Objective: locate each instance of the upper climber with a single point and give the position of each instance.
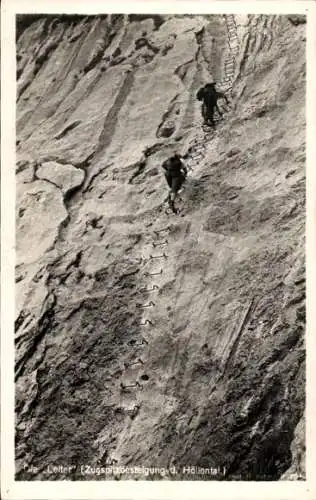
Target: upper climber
(175, 173)
(209, 95)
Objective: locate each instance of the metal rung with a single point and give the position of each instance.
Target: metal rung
(161, 230)
(140, 342)
(137, 384)
(160, 244)
(143, 341)
(153, 274)
(150, 304)
(148, 290)
(158, 256)
(146, 322)
(137, 362)
(133, 411)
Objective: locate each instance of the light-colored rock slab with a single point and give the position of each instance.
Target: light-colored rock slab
(66, 177)
(40, 212)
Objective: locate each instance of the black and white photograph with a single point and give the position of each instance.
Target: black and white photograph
(160, 246)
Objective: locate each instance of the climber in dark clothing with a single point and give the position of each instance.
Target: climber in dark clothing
(209, 95)
(175, 173)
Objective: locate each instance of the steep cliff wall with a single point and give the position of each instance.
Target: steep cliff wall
(142, 337)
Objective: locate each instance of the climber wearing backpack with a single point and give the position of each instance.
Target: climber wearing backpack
(175, 172)
(209, 95)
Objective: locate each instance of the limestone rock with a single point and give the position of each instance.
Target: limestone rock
(143, 337)
(66, 177)
(40, 214)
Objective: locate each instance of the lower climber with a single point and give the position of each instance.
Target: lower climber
(175, 173)
(209, 95)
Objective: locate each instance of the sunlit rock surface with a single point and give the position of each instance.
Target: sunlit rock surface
(142, 337)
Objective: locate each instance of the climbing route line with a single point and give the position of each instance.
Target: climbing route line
(133, 378)
(232, 52)
(197, 150)
(134, 384)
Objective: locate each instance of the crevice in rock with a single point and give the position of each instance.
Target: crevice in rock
(20, 319)
(68, 196)
(110, 122)
(103, 44)
(143, 42)
(23, 21)
(40, 60)
(234, 347)
(22, 165)
(111, 118)
(60, 233)
(165, 118)
(19, 73)
(76, 261)
(297, 19)
(199, 36)
(282, 350)
(67, 129)
(94, 176)
(43, 326)
(95, 59)
(182, 70)
(167, 49)
(158, 19)
(141, 167)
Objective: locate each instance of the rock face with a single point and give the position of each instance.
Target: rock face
(65, 177)
(142, 337)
